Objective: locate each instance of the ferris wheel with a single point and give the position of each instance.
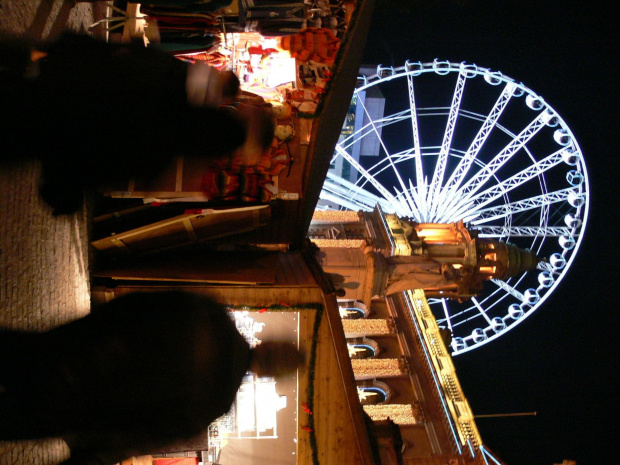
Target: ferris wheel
(456, 141)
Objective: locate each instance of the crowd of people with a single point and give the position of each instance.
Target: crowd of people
(93, 112)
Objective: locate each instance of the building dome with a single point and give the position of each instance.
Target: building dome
(519, 261)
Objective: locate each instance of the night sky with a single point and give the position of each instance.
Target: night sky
(559, 362)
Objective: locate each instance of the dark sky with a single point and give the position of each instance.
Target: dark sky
(559, 362)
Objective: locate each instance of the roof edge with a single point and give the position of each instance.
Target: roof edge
(332, 113)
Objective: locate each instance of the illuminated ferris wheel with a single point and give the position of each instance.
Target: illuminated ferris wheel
(459, 142)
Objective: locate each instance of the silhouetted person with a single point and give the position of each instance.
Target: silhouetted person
(96, 113)
(145, 371)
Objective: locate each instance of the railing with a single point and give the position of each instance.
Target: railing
(441, 370)
(429, 371)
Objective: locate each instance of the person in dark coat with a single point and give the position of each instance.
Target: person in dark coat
(96, 113)
(145, 371)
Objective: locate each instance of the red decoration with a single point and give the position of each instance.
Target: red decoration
(306, 408)
(259, 50)
(316, 44)
(307, 428)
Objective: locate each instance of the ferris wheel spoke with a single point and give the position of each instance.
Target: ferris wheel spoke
(447, 313)
(371, 128)
(492, 213)
(417, 152)
(340, 200)
(514, 181)
(388, 120)
(442, 159)
(502, 157)
(458, 175)
(343, 201)
(523, 231)
(544, 214)
(481, 310)
(419, 200)
(339, 188)
(546, 266)
(386, 194)
(509, 289)
(404, 154)
(452, 319)
(409, 204)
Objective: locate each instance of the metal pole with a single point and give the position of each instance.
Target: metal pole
(518, 414)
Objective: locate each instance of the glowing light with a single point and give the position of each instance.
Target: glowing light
(531, 296)
(346, 243)
(353, 350)
(333, 216)
(498, 324)
(365, 327)
(376, 368)
(401, 414)
(557, 261)
(364, 394)
(534, 102)
(545, 279)
(515, 311)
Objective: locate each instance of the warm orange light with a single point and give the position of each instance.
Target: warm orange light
(401, 414)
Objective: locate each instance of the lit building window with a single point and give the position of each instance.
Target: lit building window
(343, 243)
(331, 216)
(401, 414)
(376, 368)
(365, 327)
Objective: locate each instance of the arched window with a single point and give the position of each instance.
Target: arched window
(353, 310)
(373, 392)
(362, 348)
(352, 313)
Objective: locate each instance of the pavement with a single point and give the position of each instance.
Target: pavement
(44, 260)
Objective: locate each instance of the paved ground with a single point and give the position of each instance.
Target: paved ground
(44, 279)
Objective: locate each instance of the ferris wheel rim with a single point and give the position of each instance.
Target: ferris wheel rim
(545, 113)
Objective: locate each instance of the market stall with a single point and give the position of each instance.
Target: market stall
(284, 71)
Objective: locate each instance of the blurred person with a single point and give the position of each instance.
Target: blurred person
(145, 371)
(96, 113)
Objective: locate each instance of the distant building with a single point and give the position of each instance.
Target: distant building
(385, 267)
(366, 105)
